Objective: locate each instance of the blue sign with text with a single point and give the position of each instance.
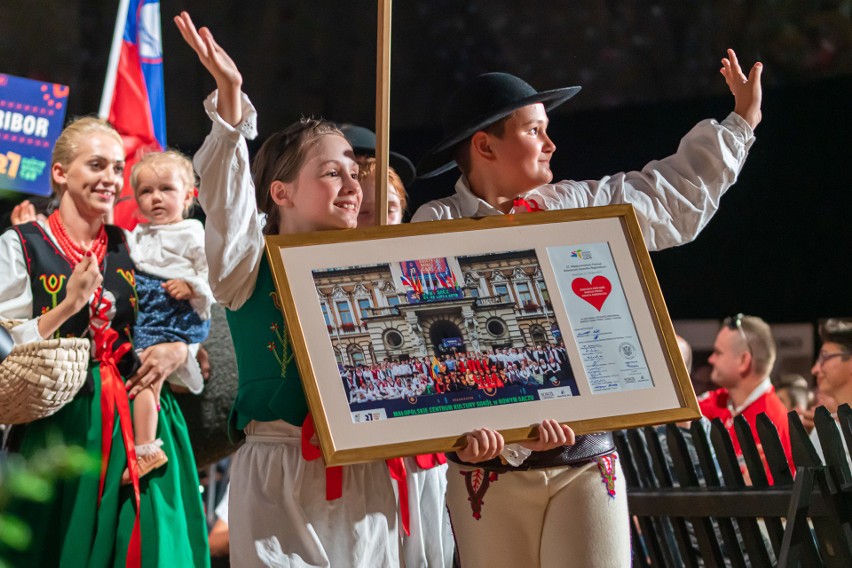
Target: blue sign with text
(31, 117)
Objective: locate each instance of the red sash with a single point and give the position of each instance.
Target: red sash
(396, 467)
(310, 452)
(114, 398)
(334, 474)
(428, 461)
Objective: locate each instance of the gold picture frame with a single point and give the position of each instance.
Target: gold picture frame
(379, 318)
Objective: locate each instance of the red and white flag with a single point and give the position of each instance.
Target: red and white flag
(133, 99)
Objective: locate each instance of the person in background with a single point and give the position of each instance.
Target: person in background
(794, 392)
(219, 534)
(32, 209)
(833, 368)
(742, 359)
(430, 539)
(363, 142)
(397, 197)
(819, 398)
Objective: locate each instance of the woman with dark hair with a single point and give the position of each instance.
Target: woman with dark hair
(833, 368)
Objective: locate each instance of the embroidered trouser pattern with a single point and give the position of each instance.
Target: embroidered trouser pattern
(566, 516)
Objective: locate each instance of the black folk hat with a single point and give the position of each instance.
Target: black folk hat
(363, 141)
(478, 104)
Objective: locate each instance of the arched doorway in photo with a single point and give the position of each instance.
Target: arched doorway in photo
(446, 337)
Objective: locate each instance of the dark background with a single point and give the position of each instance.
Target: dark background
(780, 245)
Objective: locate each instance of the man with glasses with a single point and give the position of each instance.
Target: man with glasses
(743, 356)
(833, 367)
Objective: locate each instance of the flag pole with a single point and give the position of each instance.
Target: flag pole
(383, 56)
(114, 54)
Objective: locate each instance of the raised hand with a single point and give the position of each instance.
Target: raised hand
(24, 212)
(218, 63)
(551, 434)
(747, 91)
(84, 281)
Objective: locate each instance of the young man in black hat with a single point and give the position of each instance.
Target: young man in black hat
(564, 506)
(496, 133)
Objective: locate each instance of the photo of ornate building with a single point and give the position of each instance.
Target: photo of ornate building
(470, 303)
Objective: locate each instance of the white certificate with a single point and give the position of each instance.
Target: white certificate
(600, 318)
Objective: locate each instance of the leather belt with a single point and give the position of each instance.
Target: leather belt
(585, 449)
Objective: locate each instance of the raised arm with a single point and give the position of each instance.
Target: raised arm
(233, 231)
(676, 197)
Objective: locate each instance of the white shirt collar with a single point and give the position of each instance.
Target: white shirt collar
(761, 389)
(469, 203)
(473, 206)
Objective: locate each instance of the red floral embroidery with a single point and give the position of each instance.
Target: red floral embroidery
(477, 483)
(286, 354)
(606, 465)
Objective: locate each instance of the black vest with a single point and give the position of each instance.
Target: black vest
(49, 270)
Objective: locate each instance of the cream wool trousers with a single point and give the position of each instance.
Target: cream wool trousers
(558, 517)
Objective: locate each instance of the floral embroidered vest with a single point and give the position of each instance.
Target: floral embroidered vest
(49, 271)
(269, 384)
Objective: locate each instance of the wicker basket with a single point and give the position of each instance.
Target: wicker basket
(38, 378)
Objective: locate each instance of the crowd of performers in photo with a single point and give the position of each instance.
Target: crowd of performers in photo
(545, 365)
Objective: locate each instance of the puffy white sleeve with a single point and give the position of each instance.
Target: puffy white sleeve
(203, 299)
(233, 231)
(16, 297)
(677, 196)
(435, 210)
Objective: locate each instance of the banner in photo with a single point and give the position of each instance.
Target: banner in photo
(429, 280)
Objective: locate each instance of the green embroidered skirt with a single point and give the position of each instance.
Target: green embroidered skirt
(71, 530)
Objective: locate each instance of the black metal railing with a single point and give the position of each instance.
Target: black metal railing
(692, 504)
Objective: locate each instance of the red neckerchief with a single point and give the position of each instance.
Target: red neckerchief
(531, 206)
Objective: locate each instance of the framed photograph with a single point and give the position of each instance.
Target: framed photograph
(408, 336)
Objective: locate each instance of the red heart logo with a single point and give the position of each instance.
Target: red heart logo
(595, 292)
